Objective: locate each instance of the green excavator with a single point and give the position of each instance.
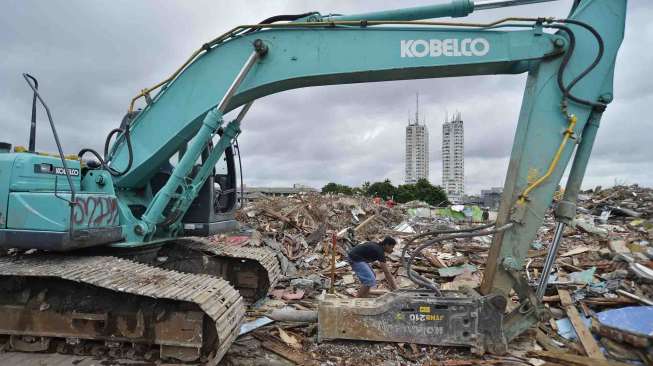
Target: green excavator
(120, 266)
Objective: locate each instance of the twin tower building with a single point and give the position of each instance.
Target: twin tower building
(453, 154)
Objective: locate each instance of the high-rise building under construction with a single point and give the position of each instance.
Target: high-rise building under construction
(417, 149)
(453, 158)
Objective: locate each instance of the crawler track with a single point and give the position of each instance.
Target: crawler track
(253, 271)
(101, 304)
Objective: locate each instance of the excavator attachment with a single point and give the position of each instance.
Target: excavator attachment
(416, 316)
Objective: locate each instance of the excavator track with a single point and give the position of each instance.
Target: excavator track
(106, 305)
(253, 271)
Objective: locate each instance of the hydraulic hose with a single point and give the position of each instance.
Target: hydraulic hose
(439, 232)
(566, 91)
(419, 279)
(125, 133)
(280, 18)
(596, 61)
(456, 233)
(103, 161)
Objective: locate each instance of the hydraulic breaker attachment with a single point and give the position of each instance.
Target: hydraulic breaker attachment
(415, 316)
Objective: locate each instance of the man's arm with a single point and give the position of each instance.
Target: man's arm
(388, 275)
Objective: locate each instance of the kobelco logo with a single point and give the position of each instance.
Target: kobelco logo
(444, 47)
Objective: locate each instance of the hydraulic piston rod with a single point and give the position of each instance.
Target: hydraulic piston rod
(212, 121)
(454, 9)
(550, 260)
(493, 4)
(566, 210)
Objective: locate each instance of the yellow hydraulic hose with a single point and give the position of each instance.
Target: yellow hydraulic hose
(556, 158)
(147, 91)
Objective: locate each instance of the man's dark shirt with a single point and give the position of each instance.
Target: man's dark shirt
(368, 252)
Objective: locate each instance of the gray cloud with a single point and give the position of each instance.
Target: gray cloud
(92, 57)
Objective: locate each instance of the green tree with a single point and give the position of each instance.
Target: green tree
(422, 191)
(362, 190)
(383, 189)
(406, 193)
(365, 186)
(337, 188)
(433, 195)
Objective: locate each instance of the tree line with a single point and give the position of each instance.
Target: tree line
(423, 190)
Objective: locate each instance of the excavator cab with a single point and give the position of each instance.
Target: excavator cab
(213, 210)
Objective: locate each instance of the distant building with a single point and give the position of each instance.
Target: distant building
(472, 200)
(417, 149)
(257, 193)
(453, 158)
(491, 197)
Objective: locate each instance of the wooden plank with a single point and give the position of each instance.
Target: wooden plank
(545, 341)
(433, 259)
(283, 351)
(275, 345)
(366, 222)
(584, 335)
(575, 251)
(279, 216)
(573, 360)
(554, 298)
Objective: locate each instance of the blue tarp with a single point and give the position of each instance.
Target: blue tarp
(634, 319)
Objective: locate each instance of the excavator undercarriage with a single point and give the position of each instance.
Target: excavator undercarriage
(186, 305)
(101, 305)
(180, 300)
(253, 271)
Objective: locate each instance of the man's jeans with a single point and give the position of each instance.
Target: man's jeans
(364, 272)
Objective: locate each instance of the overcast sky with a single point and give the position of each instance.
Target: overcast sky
(91, 57)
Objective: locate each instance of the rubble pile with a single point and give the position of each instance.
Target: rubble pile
(602, 280)
(307, 214)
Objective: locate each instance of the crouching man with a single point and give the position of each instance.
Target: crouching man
(360, 258)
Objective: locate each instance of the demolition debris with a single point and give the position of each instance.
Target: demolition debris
(600, 294)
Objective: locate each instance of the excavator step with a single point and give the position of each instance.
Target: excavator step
(101, 302)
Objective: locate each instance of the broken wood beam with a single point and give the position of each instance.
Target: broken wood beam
(365, 222)
(272, 344)
(424, 269)
(586, 338)
(279, 216)
(553, 298)
(433, 259)
(546, 342)
(643, 300)
(573, 360)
